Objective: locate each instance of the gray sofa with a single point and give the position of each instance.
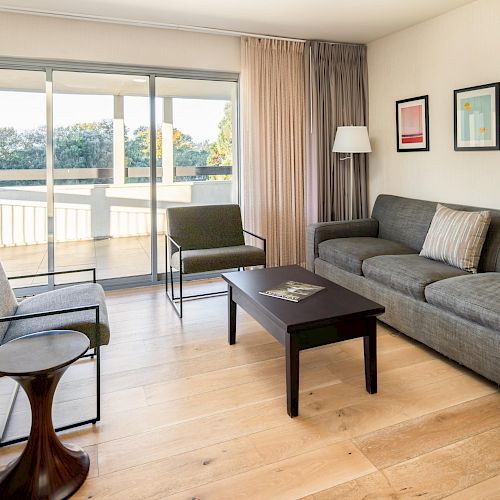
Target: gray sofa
(452, 311)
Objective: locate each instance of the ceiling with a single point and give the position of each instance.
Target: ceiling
(358, 21)
(67, 82)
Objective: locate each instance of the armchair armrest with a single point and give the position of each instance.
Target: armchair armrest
(68, 310)
(316, 233)
(54, 273)
(261, 238)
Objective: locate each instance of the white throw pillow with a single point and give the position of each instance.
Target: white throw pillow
(456, 237)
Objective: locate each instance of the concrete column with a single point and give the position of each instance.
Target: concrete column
(118, 141)
(167, 142)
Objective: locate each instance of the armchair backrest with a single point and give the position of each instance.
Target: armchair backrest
(206, 226)
(8, 302)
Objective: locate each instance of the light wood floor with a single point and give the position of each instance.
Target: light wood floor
(186, 416)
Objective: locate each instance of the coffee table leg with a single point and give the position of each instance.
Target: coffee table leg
(231, 316)
(370, 347)
(292, 375)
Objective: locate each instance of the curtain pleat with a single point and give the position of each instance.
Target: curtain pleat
(337, 95)
(273, 107)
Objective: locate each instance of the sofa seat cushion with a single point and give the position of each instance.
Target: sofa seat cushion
(408, 274)
(349, 253)
(86, 294)
(473, 297)
(214, 259)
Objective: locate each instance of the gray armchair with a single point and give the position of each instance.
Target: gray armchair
(78, 307)
(207, 238)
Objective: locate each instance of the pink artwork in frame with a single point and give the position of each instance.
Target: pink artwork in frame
(412, 119)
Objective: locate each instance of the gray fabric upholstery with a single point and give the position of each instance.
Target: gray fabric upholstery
(73, 296)
(8, 301)
(205, 226)
(407, 221)
(214, 259)
(464, 341)
(403, 219)
(464, 332)
(317, 233)
(408, 274)
(349, 253)
(474, 297)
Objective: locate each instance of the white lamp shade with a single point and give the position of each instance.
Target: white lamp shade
(352, 140)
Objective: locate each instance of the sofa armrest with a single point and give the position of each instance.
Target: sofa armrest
(316, 233)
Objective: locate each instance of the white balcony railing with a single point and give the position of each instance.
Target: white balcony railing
(99, 211)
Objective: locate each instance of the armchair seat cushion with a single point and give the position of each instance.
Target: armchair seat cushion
(349, 253)
(86, 294)
(215, 259)
(408, 274)
(475, 297)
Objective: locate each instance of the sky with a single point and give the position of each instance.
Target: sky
(26, 110)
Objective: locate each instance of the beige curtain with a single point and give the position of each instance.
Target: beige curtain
(273, 107)
(337, 94)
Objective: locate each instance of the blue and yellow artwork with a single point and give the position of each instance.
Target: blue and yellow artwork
(476, 118)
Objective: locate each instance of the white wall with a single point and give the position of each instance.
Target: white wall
(456, 50)
(54, 38)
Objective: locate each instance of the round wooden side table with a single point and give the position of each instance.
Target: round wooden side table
(46, 468)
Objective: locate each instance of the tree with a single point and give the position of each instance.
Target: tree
(84, 145)
(90, 145)
(221, 151)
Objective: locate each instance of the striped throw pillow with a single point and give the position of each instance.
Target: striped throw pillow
(456, 237)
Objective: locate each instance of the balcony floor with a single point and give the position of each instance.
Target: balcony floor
(113, 258)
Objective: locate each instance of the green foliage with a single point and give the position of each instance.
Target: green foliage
(221, 151)
(84, 145)
(90, 145)
(22, 150)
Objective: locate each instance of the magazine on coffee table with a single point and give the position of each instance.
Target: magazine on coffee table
(294, 291)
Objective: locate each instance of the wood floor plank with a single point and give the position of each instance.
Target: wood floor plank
(292, 478)
(485, 490)
(415, 437)
(448, 470)
(370, 487)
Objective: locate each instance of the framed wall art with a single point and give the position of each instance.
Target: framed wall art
(412, 124)
(477, 118)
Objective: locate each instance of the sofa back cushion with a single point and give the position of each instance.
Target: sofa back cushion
(407, 221)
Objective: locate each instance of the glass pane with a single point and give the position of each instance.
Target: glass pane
(23, 190)
(196, 147)
(101, 155)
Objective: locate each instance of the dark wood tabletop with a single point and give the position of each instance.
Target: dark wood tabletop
(333, 304)
(42, 352)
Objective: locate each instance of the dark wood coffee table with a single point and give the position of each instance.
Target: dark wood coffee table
(331, 315)
(46, 468)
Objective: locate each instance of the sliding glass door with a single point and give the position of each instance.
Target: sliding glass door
(23, 186)
(101, 174)
(196, 146)
(91, 156)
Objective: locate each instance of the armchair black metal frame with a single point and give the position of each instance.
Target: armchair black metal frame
(96, 353)
(171, 297)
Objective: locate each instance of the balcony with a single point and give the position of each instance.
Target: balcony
(106, 226)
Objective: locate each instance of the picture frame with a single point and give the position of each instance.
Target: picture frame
(412, 124)
(477, 118)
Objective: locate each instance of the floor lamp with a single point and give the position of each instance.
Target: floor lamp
(351, 140)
